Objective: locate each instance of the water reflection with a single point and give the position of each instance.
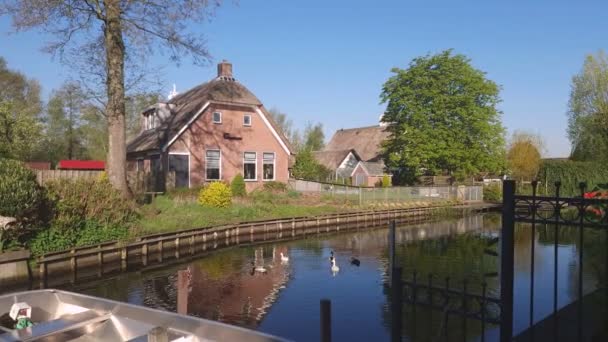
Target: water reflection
(257, 288)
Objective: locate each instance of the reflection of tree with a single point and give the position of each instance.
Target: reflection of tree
(458, 255)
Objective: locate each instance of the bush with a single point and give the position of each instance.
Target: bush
(77, 201)
(492, 192)
(86, 211)
(216, 195)
(275, 186)
(570, 174)
(21, 198)
(386, 181)
(20, 195)
(238, 186)
(91, 232)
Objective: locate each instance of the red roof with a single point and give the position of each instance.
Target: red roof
(82, 165)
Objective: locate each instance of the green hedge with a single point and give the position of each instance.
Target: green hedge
(570, 174)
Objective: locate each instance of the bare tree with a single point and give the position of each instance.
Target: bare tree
(92, 33)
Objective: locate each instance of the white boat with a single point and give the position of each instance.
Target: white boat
(65, 316)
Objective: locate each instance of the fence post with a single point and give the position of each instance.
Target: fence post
(325, 320)
(507, 260)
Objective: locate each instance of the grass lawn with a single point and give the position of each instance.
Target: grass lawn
(181, 211)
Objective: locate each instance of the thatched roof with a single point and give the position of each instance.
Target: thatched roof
(366, 141)
(333, 159)
(184, 106)
(374, 168)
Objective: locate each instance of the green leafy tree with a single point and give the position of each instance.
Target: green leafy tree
(100, 37)
(64, 113)
(524, 155)
(442, 116)
(588, 110)
(20, 109)
(307, 167)
(238, 186)
(314, 138)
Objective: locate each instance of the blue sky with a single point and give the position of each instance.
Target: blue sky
(326, 61)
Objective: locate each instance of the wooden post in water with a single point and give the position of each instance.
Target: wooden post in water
(99, 262)
(160, 251)
(74, 266)
(123, 259)
(396, 310)
(325, 320)
(144, 254)
(43, 274)
(391, 247)
(177, 247)
(182, 292)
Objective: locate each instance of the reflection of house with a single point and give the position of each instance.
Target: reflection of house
(211, 132)
(239, 297)
(355, 154)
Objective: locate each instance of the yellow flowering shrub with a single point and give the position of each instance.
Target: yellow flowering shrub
(216, 194)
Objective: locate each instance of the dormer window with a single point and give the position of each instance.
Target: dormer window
(247, 120)
(150, 121)
(217, 117)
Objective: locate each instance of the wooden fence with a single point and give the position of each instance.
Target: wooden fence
(155, 250)
(139, 182)
(44, 176)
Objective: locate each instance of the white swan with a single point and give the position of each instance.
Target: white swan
(260, 269)
(334, 268)
(284, 258)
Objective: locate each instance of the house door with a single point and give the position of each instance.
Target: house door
(180, 165)
(360, 179)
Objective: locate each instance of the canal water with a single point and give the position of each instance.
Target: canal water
(255, 287)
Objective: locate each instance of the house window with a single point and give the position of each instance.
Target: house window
(150, 121)
(249, 166)
(212, 164)
(247, 120)
(217, 117)
(140, 165)
(268, 165)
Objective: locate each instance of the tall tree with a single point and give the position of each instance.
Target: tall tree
(281, 119)
(588, 110)
(20, 109)
(314, 138)
(442, 116)
(107, 33)
(524, 155)
(64, 112)
(94, 130)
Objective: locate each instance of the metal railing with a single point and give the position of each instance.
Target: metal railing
(371, 195)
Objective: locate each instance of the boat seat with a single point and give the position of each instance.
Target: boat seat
(64, 326)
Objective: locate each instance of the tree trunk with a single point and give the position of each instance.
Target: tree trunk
(115, 108)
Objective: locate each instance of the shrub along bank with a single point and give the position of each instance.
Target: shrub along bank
(72, 213)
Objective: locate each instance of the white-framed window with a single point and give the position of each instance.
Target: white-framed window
(213, 165)
(268, 165)
(250, 166)
(217, 117)
(151, 121)
(247, 120)
(140, 165)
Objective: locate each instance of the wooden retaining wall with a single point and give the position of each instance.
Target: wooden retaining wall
(157, 249)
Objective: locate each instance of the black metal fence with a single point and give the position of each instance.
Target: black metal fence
(457, 304)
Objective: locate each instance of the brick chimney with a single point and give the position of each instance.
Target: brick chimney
(224, 69)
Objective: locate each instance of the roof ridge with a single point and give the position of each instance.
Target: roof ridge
(356, 128)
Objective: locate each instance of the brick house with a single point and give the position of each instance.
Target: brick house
(354, 154)
(211, 132)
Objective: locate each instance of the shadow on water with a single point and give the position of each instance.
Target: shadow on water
(254, 287)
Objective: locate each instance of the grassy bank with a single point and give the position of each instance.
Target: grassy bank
(178, 211)
(167, 213)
